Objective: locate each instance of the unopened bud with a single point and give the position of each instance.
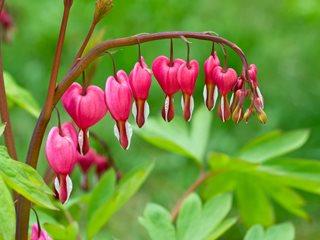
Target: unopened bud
(248, 114)
(262, 116)
(103, 7)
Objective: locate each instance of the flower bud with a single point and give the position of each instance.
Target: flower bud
(119, 98)
(253, 74)
(258, 104)
(237, 105)
(61, 155)
(187, 76)
(7, 25)
(102, 164)
(38, 234)
(165, 73)
(85, 162)
(210, 91)
(102, 9)
(140, 83)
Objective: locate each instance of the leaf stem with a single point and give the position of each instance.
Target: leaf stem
(85, 41)
(193, 187)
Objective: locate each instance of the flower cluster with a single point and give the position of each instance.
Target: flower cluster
(88, 104)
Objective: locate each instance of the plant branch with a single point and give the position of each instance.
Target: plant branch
(85, 41)
(175, 211)
(80, 65)
(100, 49)
(23, 205)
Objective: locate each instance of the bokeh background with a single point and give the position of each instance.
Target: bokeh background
(280, 36)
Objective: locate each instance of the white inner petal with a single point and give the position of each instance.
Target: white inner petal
(116, 132)
(146, 111)
(134, 110)
(231, 99)
(222, 109)
(69, 187)
(166, 108)
(80, 141)
(182, 103)
(260, 96)
(191, 107)
(129, 133)
(57, 185)
(215, 96)
(205, 95)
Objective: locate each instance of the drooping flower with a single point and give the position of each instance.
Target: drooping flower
(39, 234)
(140, 83)
(225, 80)
(210, 91)
(6, 23)
(119, 98)
(102, 164)
(165, 73)
(187, 76)
(86, 106)
(86, 162)
(61, 154)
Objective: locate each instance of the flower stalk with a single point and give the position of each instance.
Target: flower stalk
(55, 92)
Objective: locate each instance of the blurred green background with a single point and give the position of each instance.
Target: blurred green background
(280, 37)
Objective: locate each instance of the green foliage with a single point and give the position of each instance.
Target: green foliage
(273, 145)
(20, 96)
(7, 213)
(194, 221)
(25, 180)
(61, 232)
(256, 184)
(283, 231)
(176, 137)
(115, 198)
(157, 221)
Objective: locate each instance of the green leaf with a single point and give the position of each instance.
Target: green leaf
(172, 137)
(60, 232)
(298, 173)
(222, 228)
(221, 162)
(271, 147)
(102, 192)
(284, 231)
(176, 137)
(200, 131)
(20, 96)
(191, 209)
(212, 214)
(7, 213)
(24, 180)
(254, 205)
(157, 221)
(287, 198)
(256, 232)
(2, 127)
(128, 186)
(220, 183)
